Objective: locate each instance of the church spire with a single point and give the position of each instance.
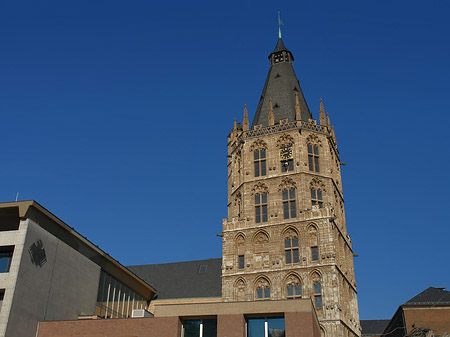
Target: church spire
(245, 122)
(283, 87)
(322, 117)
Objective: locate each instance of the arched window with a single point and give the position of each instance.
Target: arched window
(293, 287)
(262, 289)
(316, 197)
(289, 208)
(313, 157)
(291, 247)
(260, 207)
(240, 290)
(259, 161)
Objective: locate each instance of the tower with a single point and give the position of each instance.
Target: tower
(285, 236)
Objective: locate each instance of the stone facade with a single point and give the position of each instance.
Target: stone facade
(297, 246)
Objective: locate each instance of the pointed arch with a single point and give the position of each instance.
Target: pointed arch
(262, 287)
(240, 286)
(312, 233)
(240, 239)
(292, 285)
(285, 140)
(316, 286)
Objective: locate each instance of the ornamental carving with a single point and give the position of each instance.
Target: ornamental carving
(287, 183)
(240, 290)
(290, 233)
(262, 282)
(313, 139)
(285, 140)
(317, 184)
(260, 188)
(292, 279)
(258, 145)
(315, 277)
(240, 240)
(261, 238)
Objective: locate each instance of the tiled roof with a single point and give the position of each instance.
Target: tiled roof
(183, 279)
(373, 327)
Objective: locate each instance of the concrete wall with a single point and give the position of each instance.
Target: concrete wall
(14, 238)
(64, 287)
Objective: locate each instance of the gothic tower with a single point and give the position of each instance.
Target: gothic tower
(285, 236)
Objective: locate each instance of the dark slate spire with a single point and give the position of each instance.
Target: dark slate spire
(281, 88)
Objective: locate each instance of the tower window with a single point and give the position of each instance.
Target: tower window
(289, 209)
(314, 253)
(261, 207)
(259, 160)
(241, 262)
(291, 250)
(293, 287)
(263, 292)
(316, 197)
(313, 157)
(317, 294)
(6, 254)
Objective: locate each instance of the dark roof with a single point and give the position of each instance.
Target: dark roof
(373, 327)
(431, 295)
(281, 86)
(183, 279)
(280, 46)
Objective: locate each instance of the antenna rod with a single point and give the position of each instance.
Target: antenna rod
(280, 23)
(17, 196)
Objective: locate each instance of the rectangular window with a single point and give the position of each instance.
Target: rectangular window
(6, 254)
(2, 296)
(259, 160)
(200, 327)
(261, 208)
(241, 262)
(289, 208)
(316, 197)
(287, 165)
(266, 327)
(313, 158)
(314, 253)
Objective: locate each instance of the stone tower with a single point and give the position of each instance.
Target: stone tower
(285, 236)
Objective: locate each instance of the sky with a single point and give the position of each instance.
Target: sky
(115, 116)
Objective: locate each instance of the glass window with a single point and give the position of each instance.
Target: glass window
(200, 327)
(317, 294)
(259, 160)
(266, 327)
(263, 291)
(313, 158)
(314, 253)
(261, 207)
(2, 296)
(316, 197)
(191, 328)
(241, 262)
(291, 250)
(289, 208)
(6, 253)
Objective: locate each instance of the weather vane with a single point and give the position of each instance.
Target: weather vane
(280, 23)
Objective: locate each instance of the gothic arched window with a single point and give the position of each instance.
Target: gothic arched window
(313, 157)
(291, 247)
(262, 289)
(316, 197)
(259, 161)
(289, 209)
(317, 290)
(293, 287)
(261, 207)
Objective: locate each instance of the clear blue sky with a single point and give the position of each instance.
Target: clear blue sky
(114, 116)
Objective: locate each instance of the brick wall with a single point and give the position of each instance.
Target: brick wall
(230, 325)
(131, 327)
(301, 324)
(435, 318)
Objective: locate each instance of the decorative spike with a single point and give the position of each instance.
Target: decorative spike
(298, 109)
(234, 126)
(271, 116)
(245, 123)
(322, 118)
(328, 120)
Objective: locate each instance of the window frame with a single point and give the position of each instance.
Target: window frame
(313, 158)
(241, 262)
(259, 162)
(201, 332)
(317, 294)
(261, 207)
(314, 253)
(266, 319)
(6, 254)
(289, 203)
(316, 197)
(290, 250)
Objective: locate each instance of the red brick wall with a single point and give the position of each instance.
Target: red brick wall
(435, 318)
(130, 327)
(301, 324)
(231, 326)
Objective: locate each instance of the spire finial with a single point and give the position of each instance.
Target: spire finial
(322, 118)
(245, 123)
(280, 23)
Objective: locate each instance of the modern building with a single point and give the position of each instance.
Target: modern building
(48, 271)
